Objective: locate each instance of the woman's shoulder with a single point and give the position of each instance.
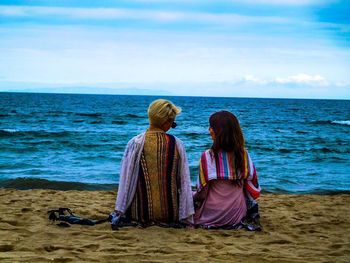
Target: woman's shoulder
(206, 153)
(137, 139)
(139, 136)
(247, 152)
(178, 140)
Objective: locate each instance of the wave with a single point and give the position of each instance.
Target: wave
(96, 122)
(272, 149)
(281, 131)
(302, 132)
(89, 114)
(284, 150)
(4, 115)
(45, 134)
(37, 183)
(59, 112)
(9, 130)
(89, 146)
(294, 109)
(321, 122)
(310, 192)
(130, 115)
(323, 150)
(346, 122)
(39, 142)
(119, 122)
(335, 159)
(51, 134)
(194, 135)
(341, 122)
(334, 149)
(21, 165)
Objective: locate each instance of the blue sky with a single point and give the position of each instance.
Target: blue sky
(236, 48)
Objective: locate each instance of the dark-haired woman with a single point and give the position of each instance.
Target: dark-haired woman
(227, 180)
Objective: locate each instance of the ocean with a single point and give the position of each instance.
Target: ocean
(75, 141)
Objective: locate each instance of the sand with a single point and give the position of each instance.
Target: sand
(297, 228)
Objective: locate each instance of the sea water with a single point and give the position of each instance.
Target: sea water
(72, 141)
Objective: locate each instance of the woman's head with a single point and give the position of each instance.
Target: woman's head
(227, 135)
(227, 131)
(162, 113)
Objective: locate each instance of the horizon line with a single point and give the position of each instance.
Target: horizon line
(160, 95)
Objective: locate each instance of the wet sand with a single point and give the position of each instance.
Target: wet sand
(296, 228)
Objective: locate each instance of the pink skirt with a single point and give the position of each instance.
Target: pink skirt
(223, 204)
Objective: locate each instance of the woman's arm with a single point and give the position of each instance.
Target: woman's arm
(186, 209)
(201, 195)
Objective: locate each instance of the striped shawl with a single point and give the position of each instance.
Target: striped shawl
(223, 168)
(129, 175)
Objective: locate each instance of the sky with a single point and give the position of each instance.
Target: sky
(226, 48)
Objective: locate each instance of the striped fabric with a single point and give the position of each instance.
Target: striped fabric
(156, 199)
(251, 184)
(223, 168)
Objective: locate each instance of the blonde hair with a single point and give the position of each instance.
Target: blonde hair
(159, 111)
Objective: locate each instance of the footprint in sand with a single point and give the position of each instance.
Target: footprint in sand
(11, 222)
(50, 248)
(92, 247)
(6, 248)
(26, 209)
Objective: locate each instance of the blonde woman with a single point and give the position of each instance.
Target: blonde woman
(154, 185)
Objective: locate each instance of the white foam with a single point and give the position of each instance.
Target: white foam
(10, 130)
(341, 122)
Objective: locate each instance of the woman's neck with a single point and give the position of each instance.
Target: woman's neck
(154, 128)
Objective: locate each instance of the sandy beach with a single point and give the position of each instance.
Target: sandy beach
(297, 228)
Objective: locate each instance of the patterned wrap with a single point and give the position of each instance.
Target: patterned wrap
(157, 198)
(130, 171)
(223, 168)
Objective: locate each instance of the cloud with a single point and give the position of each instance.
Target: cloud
(286, 2)
(190, 43)
(250, 2)
(303, 79)
(253, 79)
(136, 14)
(299, 79)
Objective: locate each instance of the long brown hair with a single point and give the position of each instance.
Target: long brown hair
(228, 136)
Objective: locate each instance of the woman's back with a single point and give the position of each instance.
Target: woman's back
(224, 171)
(155, 184)
(223, 203)
(156, 198)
